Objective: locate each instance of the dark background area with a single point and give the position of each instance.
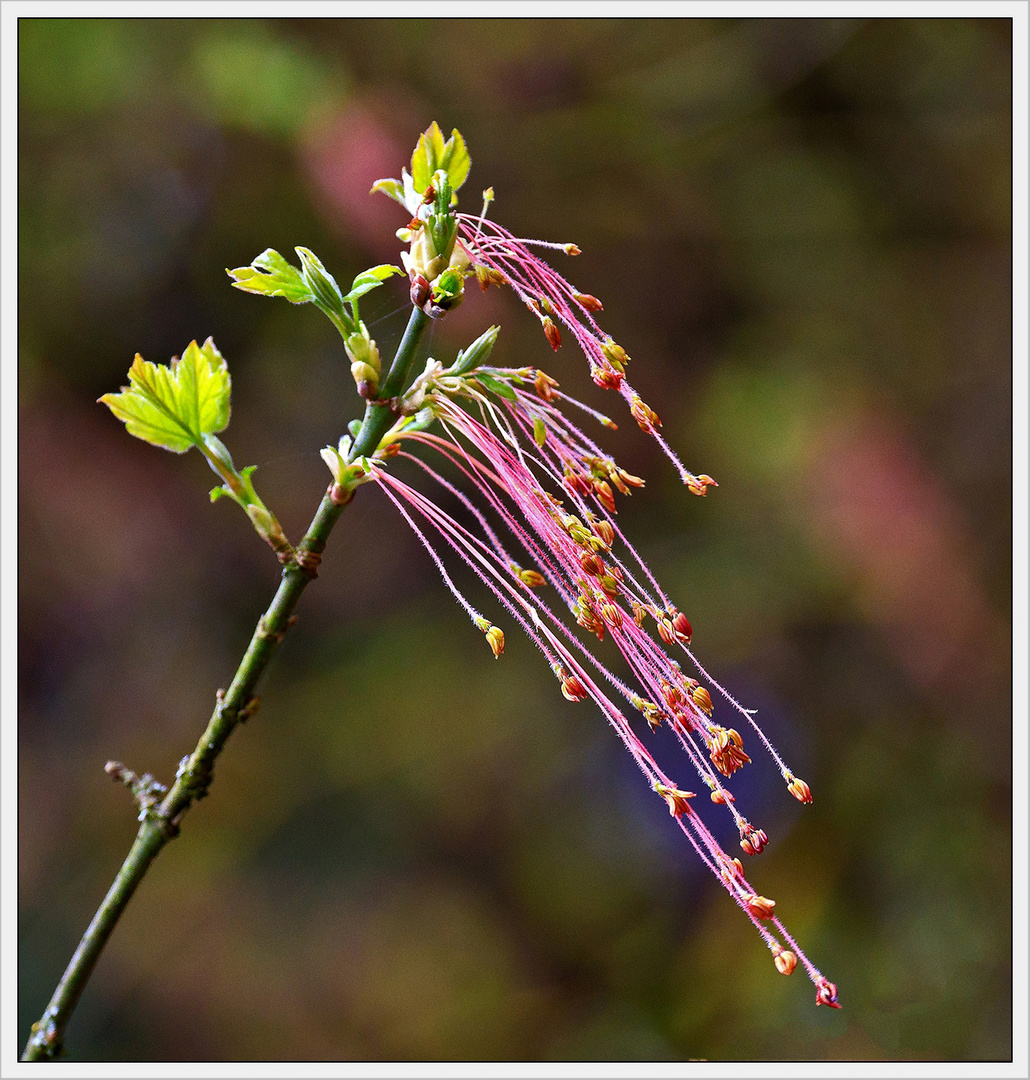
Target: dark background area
(801, 232)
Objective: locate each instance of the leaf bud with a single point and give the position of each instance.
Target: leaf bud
(476, 354)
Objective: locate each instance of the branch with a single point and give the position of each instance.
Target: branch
(160, 821)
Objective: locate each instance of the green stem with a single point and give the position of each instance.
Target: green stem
(378, 414)
(161, 824)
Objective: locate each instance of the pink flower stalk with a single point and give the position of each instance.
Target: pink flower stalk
(511, 454)
(497, 257)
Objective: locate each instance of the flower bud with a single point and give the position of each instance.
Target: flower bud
(551, 332)
(644, 415)
(800, 790)
(366, 378)
(572, 689)
(533, 578)
(760, 906)
(681, 625)
(785, 961)
(604, 531)
(545, 385)
(605, 378)
(702, 699)
(615, 354)
(826, 993)
(495, 639)
(587, 302)
(603, 491)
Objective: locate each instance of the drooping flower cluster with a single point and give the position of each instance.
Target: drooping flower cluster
(504, 437)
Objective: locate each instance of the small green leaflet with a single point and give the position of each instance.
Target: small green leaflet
(271, 275)
(176, 405)
(371, 279)
(502, 389)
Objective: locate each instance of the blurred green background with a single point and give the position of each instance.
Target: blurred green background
(801, 232)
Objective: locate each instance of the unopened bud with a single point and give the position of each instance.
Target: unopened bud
(572, 689)
(800, 790)
(591, 564)
(571, 249)
(545, 385)
(702, 699)
(603, 491)
(760, 906)
(551, 332)
(684, 631)
(604, 530)
(605, 378)
(721, 796)
(785, 961)
(476, 354)
(495, 639)
(588, 302)
(826, 993)
(644, 415)
(614, 353)
(533, 578)
(366, 378)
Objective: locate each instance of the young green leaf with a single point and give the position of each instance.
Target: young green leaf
(425, 159)
(371, 279)
(393, 188)
(271, 275)
(455, 160)
(175, 406)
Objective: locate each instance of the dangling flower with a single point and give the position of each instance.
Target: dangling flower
(522, 470)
